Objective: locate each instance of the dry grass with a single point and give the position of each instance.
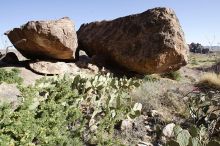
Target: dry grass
(160, 95)
(202, 60)
(210, 80)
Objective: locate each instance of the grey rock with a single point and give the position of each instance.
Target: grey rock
(168, 130)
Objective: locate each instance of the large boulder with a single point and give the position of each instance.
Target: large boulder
(45, 39)
(150, 42)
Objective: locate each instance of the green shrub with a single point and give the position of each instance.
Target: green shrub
(204, 110)
(11, 76)
(150, 78)
(194, 61)
(175, 75)
(192, 137)
(68, 111)
(204, 120)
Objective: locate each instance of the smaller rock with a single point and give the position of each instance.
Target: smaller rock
(10, 58)
(154, 113)
(51, 68)
(168, 130)
(126, 125)
(45, 67)
(93, 68)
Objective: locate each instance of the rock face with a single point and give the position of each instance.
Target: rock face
(150, 42)
(45, 39)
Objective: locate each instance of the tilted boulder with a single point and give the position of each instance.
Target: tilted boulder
(150, 42)
(45, 39)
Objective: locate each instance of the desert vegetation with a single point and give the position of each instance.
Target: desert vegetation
(68, 110)
(210, 80)
(10, 76)
(79, 110)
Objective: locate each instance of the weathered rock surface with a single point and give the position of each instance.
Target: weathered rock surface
(150, 42)
(45, 39)
(50, 68)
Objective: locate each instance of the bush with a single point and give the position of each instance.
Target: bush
(202, 126)
(11, 76)
(175, 75)
(194, 61)
(210, 80)
(68, 111)
(192, 137)
(150, 78)
(203, 123)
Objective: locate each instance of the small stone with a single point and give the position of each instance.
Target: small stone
(93, 68)
(126, 125)
(154, 113)
(148, 128)
(168, 130)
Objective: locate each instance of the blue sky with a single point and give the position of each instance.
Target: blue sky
(199, 19)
